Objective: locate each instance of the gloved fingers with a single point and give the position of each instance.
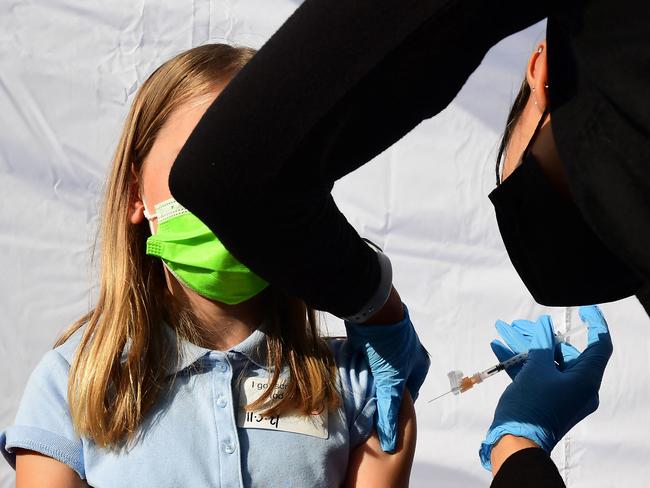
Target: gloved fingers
(591, 364)
(599, 346)
(565, 355)
(389, 402)
(542, 337)
(503, 353)
(542, 344)
(523, 326)
(596, 323)
(391, 345)
(512, 337)
(418, 373)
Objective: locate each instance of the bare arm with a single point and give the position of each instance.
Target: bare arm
(35, 470)
(371, 467)
(506, 447)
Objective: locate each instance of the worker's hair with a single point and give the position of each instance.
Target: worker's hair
(108, 394)
(513, 117)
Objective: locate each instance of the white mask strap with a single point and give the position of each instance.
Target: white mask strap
(148, 215)
(163, 211)
(169, 208)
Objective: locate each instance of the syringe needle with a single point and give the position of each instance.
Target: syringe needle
(440, 396)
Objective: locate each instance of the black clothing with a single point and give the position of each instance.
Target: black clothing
(532, 215)
(599, 91)
(340, 82)
(644, 298)
(337, 84)
(528, 468)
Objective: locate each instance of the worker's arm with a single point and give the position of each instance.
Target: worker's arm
(335, 86)
(35, 470)
(370, 466)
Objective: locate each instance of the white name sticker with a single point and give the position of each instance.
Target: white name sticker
(291, 421)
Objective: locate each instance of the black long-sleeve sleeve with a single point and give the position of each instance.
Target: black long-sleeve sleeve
(339, 82)
(644, 297)
(528, 468)
(336, 85)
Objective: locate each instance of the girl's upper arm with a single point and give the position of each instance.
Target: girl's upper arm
(370, 466)
(43, 422)
(35, 470)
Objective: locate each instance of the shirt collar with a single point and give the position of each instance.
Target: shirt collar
(252, 348)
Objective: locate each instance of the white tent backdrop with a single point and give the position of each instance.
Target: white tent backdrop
(68, 72)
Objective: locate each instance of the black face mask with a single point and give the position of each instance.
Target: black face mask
(559, 258)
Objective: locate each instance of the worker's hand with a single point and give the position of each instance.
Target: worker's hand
(397, 359)
(544, 401)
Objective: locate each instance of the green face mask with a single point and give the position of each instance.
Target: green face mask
(196, 257)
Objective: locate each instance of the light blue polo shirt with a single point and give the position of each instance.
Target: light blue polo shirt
(191, 438)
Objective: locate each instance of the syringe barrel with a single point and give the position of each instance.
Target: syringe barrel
(514, 360)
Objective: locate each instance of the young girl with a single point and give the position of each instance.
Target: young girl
(191, 370)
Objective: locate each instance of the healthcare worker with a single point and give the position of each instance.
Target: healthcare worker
(340, 82)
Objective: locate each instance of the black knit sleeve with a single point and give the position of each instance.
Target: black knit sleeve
(337, 84)
(528, 468)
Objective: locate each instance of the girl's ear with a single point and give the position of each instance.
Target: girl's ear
(136, 207)
(537, 77)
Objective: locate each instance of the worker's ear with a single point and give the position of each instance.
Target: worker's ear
(136, 206)
(537, 77)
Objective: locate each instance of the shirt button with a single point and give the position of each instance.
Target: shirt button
(229, 447)
(223, 367)
(221, 402)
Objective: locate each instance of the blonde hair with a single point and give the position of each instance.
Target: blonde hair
(110, 395)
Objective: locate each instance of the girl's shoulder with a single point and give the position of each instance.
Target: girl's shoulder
(43, 422)
(356, 387)
(69, 347)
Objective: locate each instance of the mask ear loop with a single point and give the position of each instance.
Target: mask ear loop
(148, 216)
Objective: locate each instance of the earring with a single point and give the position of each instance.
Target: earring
(539, 50)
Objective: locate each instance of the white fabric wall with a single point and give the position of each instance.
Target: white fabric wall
(68, 72)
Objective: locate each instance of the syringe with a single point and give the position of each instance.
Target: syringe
(460, 384)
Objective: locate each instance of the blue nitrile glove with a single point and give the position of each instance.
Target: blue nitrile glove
(519, 336)
(545, 401)
(396, 359)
